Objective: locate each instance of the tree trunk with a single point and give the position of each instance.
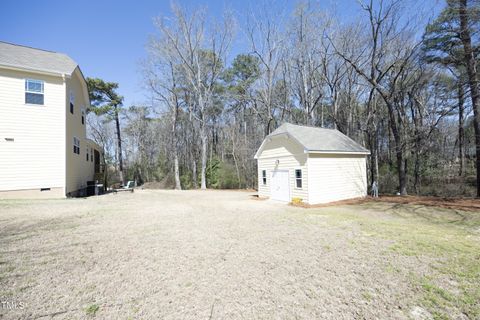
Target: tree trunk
(105, 171)
(416, 173)
(396, 132)
(268, 128)
(372, 158)
(119, 146)
(194, 173)
(237, 169)
(375, 140)
(417, 150)
(402, 176)
(377, 174)
(461, 130)
(472, 80)
(178, 186)
(321, 117)
(203, 137)
(335, 110)
(245, 131)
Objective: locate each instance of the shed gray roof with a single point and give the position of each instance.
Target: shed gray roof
(17, 56)
(319, 139)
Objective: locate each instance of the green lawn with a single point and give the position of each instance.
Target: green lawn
(448, 239)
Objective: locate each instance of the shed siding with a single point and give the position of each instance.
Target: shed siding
(35, 159)
(78, 169)
(336, 177)
(291, 157)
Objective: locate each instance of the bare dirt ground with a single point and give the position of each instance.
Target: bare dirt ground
(220, 255)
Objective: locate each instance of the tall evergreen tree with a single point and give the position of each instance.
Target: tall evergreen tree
(453, 39)
(105, 100)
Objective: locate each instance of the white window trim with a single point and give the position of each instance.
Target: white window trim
(83, 116)
(264, 177)
(35, 80)
(76, 143)
(35, 92)
(72, 102)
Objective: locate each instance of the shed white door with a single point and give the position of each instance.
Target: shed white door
(279, 186)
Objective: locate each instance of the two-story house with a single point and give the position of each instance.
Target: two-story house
(44, 150)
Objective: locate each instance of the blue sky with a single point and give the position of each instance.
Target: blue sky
(107, 38)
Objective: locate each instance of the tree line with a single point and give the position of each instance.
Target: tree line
(406, 90)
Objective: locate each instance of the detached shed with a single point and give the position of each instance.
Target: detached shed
(316, 165)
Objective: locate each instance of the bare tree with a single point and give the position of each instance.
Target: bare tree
(366, 78)
(383, 61)
(304, 67)
(267, 43)
(162, 72)
(201, 50)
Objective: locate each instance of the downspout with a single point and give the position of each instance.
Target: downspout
(64, 115)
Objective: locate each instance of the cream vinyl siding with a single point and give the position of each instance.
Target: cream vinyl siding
(290, 156)
(36, 157)
(78, 170)
(336, 177)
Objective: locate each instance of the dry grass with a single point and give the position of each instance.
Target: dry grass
(464, 204)
(355, 201)
(170, 254)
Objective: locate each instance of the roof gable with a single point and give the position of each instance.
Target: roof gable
(21, 57)
(315, 139)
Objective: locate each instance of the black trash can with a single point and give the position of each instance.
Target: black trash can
(90, 188)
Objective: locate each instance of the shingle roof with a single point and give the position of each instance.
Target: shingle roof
(320, 139)
(17, 56)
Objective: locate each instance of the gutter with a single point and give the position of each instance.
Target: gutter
(48, 73)
(337, 152)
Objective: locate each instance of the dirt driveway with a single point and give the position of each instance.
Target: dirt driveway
(211, 255)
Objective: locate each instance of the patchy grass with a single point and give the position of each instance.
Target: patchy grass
(168, 250)
(92, 309)
(448, 239)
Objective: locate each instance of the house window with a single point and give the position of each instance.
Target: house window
(298, 178)
(264, 177)
(72, 101)
(34, 92)
(83, 116)
(91, 154)
(87, 154)
(76, 145)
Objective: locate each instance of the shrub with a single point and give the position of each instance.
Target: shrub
(297, 201)
(221, 175)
